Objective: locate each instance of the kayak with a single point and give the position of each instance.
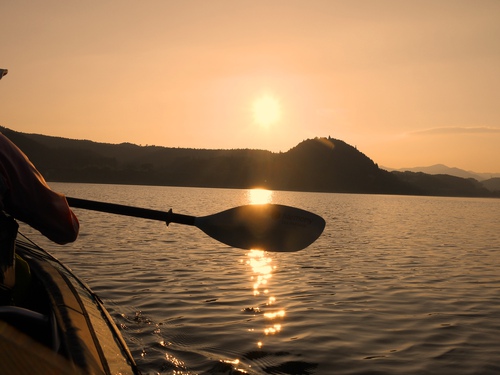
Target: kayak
(58, 325)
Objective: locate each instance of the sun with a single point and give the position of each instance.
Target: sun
(266, 110)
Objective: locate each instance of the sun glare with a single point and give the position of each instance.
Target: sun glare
(266, 110)
(259, 196)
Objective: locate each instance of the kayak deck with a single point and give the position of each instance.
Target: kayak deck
(59, 325)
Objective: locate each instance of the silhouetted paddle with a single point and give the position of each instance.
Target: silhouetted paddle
(270, 227)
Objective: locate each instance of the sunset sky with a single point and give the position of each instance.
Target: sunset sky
(409, 83)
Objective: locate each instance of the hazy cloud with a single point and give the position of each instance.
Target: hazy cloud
(457, 130)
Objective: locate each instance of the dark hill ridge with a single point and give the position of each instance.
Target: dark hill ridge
(327, 164)
(320, 164)
(492, 184)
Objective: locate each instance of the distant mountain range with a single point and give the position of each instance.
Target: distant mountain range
(319, 165)
(443, 169)
(491, 181)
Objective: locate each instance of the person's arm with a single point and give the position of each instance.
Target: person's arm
(25, 195)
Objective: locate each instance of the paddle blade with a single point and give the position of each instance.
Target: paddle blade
(269, 227)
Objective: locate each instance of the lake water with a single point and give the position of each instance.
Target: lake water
(395, 285)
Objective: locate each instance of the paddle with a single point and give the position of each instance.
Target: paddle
(270, 227)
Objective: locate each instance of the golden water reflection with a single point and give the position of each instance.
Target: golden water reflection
(262, 270)
(259, 196)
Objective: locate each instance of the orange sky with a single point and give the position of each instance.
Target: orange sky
(409, 83)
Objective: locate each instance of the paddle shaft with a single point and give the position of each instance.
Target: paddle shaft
(144, 213)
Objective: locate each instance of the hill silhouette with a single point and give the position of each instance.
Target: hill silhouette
(320, 165)
(492, 184)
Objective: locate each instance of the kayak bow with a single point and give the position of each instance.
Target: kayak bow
(59, 326)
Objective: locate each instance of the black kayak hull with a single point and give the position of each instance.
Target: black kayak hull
(61, 326)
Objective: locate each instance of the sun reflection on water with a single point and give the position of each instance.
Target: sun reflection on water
(262, 271)
(259, 196)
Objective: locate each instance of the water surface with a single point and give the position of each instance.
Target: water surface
(395, 285)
